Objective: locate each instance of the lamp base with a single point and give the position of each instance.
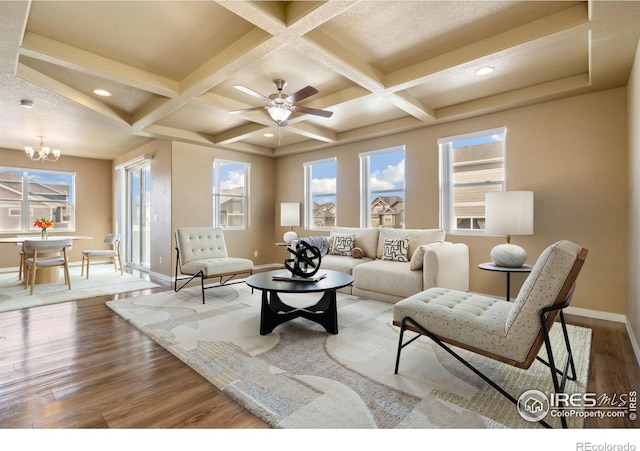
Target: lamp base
(508, 256)
(290, 236)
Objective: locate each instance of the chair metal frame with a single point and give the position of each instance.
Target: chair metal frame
(547, 316)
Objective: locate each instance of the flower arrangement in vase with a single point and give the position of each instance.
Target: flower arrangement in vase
(44, 224)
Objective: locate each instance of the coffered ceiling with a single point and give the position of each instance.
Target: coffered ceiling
(379, 66)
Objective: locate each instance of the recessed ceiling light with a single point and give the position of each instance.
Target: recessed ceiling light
(26, 104)
(102, 92)
(485, 70)
(268, 135)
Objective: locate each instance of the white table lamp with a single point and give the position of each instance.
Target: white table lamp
(509, 213)
(290, 216)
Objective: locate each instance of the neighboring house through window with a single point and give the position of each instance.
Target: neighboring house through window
(27, 194)
(472, 164)
(230, 194)
(382, 179)
(320, 193)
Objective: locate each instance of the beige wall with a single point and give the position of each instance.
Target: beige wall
(572, 153)
(633, 286)
(192, 204)
(93, 200)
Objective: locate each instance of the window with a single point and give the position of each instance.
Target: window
(320, 193)
(230, 194)
(49, 194)
(471, 165)
(382, 179)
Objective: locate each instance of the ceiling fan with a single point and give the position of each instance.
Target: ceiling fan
(280, 106)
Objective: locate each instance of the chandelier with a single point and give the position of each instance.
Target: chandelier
(42, 153)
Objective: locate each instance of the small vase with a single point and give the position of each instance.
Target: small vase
(44, 234)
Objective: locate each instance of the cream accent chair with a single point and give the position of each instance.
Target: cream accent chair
(112, 254)
(35, 262)
(201, 252)
(511, 333)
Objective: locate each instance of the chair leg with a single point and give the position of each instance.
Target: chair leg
(82, 266)
(32, 273)
(425, 332)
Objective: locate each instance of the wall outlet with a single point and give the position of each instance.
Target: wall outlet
(160, 260)
(255, 253)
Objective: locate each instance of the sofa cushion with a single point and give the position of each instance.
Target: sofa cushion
(417, 260)
(341, 263)
(342, 244)
(387, 277)
(366, 239)
(395, 249)
(416, 237)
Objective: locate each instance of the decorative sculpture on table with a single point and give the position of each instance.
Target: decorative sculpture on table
(306, 260)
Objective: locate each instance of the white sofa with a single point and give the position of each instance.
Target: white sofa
(431, 262)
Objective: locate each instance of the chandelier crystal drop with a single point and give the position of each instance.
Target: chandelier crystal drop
(43, 153)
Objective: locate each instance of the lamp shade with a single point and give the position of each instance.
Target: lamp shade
(290, 214)
(509, 213)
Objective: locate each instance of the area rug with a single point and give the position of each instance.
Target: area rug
(103, 280)
(299, 376)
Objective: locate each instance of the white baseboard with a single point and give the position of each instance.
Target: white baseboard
(596, 314)
(616, 317)
(634, 342)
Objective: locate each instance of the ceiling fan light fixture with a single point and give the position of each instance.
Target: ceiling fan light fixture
(279, 113)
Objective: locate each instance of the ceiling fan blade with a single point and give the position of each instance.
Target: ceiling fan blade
(315, 111)
(302, 94)
(252, 93)
(246, 110)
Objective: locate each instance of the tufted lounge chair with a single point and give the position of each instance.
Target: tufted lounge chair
(202, 253)
(511, 333)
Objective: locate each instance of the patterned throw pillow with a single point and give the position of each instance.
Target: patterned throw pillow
(395, 249)
(343, 244)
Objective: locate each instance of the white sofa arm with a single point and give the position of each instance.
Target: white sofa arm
(446, 265)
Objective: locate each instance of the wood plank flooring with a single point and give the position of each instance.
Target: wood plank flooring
(79, 365)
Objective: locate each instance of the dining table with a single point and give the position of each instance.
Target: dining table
(44, 274)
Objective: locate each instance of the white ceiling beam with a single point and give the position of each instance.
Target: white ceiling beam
(37, 78)
(48, 50)
(420, 73)
(159, 131)
(514, 98)
(239, 133)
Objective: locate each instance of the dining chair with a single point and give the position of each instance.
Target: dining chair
(22, 255)
(113, 254)
(42, 257)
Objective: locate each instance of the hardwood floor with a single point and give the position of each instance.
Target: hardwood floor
(79, 365)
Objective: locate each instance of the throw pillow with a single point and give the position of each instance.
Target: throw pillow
(343, 244)
(356, 252)
(418, 258)
(395, 249)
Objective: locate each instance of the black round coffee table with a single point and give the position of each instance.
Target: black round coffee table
(274, 311)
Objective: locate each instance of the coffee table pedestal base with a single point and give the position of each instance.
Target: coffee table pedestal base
(275, 312)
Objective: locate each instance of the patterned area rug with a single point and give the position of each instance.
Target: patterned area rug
(299, 376)
(102, 281)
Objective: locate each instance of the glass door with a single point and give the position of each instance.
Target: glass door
(138, 243)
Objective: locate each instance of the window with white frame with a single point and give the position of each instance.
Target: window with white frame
(230, 194)
(471, 165)
(382, 188)
(27, 195)
(320, 193)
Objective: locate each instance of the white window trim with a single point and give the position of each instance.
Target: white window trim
(217, 162)
(447, 219)
(365, 169)
(308, 202)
